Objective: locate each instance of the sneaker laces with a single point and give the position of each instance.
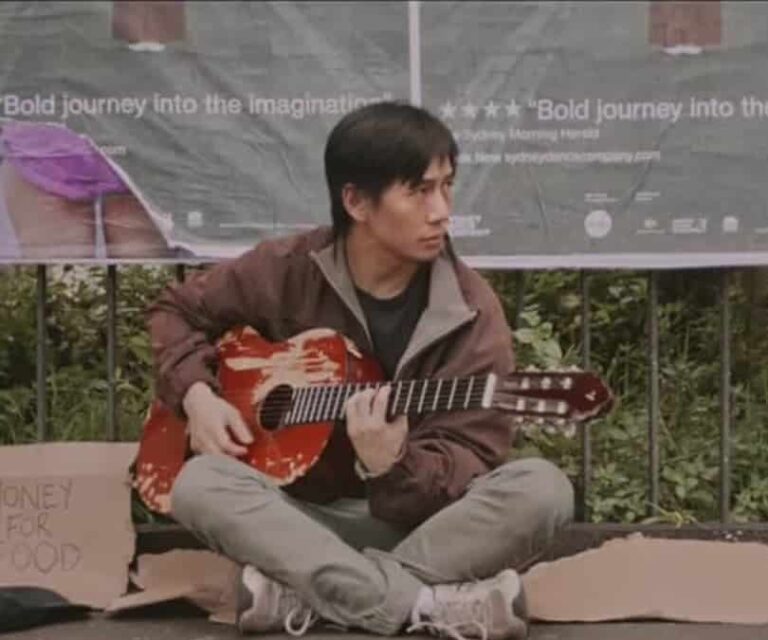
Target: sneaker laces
(309, 619)
(291, 608)
(448, 618)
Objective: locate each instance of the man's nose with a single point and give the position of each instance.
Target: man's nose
(439, 208)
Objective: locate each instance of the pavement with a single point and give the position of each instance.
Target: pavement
(201, 629)
(178, 622)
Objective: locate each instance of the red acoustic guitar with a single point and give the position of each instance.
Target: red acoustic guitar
(292, 393)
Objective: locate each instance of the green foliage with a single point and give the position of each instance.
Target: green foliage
(547, 316)
(76, 376)
(545, 310)
(537, 342)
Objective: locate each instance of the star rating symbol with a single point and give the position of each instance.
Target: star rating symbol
(491, 109)
(469, 110)
(513, 109)
(448, 110)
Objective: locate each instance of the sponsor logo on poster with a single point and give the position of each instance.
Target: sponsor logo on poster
(689, 225)
(598, 223)
(730, 224)
(195, 219)
(650, 226)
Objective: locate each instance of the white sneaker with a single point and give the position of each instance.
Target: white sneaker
(264, 604)
(491, 609)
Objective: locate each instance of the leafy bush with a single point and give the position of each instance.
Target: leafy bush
(76, 351)
(689, 316)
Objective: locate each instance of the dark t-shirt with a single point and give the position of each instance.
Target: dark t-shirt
(392, 320)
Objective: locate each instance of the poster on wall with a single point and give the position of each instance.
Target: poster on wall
(178, 130)
(615, 134)
(591, 134)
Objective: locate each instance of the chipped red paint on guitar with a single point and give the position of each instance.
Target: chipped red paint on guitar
(292, 393)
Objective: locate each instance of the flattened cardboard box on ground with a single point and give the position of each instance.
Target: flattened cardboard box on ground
(626, 578)
(638, 577)
(207, 579)
(65, 519)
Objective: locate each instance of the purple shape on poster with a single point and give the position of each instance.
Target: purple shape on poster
(59, 161)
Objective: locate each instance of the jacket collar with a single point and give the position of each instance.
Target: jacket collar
(332, 261)
(446, 310)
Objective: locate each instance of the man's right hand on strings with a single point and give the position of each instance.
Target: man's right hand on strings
(212, 422)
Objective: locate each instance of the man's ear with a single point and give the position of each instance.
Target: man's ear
(356, 202)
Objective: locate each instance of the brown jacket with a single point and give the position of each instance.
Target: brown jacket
(291, 284)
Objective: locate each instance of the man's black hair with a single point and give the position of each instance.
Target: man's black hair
(380, 144)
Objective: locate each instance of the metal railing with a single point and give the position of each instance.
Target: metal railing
(653, 396)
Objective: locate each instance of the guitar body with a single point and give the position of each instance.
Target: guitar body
(255, 375)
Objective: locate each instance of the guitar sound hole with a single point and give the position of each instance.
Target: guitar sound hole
(275, 406)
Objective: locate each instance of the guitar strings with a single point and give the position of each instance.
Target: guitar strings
(403, 383)
(427, 401)
(428, 404)
(354, 387)
(327, 402)
(376, 385)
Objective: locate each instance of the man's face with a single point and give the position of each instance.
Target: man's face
(411, 222)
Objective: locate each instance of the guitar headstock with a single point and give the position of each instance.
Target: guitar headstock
(554, 397)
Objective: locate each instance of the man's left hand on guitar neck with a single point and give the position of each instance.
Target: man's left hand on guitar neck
(379, 444)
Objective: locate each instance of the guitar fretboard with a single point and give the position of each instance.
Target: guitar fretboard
(323, 403)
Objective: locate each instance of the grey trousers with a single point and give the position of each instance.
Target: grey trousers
(358, 571)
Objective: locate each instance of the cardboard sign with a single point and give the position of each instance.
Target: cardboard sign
(65, 518)
(638, 577)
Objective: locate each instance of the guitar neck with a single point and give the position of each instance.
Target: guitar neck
(323, 403)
